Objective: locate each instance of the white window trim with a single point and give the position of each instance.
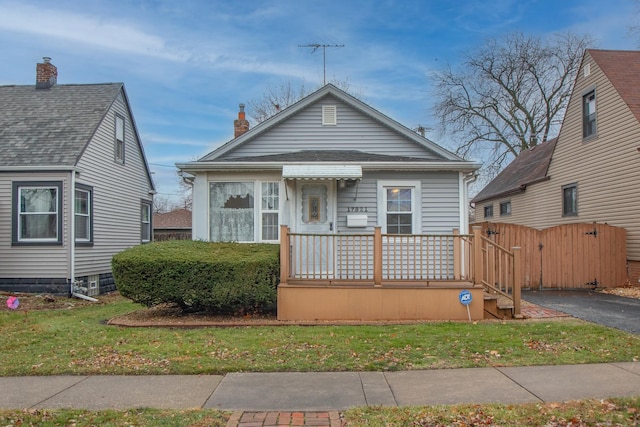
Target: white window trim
(117, 141)
(146, 224)
(260, 211)
(19, 213)
(416, 203)
(257, 206)
(88, 215)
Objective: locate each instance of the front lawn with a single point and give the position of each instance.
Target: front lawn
(78, 341)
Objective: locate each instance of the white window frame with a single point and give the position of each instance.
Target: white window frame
(119, 138)
(416, 203)
(259, 211)
(145, 224)
(88, 215)
(18, 214)
(257, 206)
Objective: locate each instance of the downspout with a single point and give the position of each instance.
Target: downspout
(467, 179)
(72, 244)
(72, 231)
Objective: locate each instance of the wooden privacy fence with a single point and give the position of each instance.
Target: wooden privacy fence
(569, 256)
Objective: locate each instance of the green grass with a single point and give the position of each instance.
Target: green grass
(608, 412)
(78, 341)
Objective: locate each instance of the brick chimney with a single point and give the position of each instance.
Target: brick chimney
(46, 74)
(241, 125)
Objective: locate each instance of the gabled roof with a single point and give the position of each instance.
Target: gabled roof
(529, 167)
(622, 68)
(353, 102)
(178, 219)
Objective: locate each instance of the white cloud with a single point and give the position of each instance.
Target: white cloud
(85, 29)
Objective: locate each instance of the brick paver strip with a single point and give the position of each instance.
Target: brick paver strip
(285, 419)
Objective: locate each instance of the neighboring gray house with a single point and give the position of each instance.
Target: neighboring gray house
(75, 187)
(327, 164)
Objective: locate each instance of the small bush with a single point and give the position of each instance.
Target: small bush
(200, 276)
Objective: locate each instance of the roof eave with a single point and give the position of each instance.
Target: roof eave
(384, 166)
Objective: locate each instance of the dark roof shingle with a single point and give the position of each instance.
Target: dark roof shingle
(529, 167)
(47, 127)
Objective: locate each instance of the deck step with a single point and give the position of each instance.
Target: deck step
(497, 307)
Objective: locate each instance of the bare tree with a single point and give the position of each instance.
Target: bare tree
(186, 194)
(508, 95)
(279, 97)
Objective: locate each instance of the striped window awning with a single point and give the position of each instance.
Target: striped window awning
(320, 172)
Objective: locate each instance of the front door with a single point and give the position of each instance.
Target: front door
(315, 219)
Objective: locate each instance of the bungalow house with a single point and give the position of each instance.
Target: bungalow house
(75, 187)
(321, 178)
(590, 173)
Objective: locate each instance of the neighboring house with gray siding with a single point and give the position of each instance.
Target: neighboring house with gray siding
(592, 172)
(75, 187)
(327, 164)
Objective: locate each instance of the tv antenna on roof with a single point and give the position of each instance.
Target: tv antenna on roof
(324, 47)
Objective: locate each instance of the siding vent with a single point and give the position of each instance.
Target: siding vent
(587, 70)
(94, 285)
(329, 115)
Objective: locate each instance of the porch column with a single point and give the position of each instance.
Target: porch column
(477, 255)
(457, 260)
(285, 255)
(377, 256)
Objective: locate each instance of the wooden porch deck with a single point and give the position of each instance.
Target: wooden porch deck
(392, 277)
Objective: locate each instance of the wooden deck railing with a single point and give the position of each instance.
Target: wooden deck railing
(497, 269)
(392, 259)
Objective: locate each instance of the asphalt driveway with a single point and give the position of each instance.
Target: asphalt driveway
(608, 310)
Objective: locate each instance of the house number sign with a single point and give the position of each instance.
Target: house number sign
(357, 209)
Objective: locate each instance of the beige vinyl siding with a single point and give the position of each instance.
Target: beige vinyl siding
(606, 167)
(47, 261)
(354, 131)
(118, 190)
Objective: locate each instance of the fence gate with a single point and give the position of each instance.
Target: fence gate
(569, 256)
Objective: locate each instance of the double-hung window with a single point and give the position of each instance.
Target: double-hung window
(270, 211)
(589, 114)
(119, 140)
(505, 208)
(399, 207)
(570, 200)
(488, 211)
(235, 215)
(145, 221)
(37, 213)
(83, 215)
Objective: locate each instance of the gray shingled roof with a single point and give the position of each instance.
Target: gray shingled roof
(328, 156)
(50, 127)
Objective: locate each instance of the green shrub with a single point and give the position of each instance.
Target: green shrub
(200, 276)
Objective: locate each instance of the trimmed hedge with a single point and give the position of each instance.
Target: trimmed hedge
(200, 276)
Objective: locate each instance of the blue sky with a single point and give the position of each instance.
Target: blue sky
(187, 64)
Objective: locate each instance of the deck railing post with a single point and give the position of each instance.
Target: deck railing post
(457, 259)
(477, 255)
(285, 250)
(491, 265)
(517, 280)
(377, 256)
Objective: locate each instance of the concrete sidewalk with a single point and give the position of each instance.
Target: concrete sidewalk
(323, 391)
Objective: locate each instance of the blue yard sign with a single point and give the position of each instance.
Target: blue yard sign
(465, 299)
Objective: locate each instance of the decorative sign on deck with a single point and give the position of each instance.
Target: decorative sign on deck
(465, 299)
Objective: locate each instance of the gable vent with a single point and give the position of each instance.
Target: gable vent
(329, 115)
(587, 70)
